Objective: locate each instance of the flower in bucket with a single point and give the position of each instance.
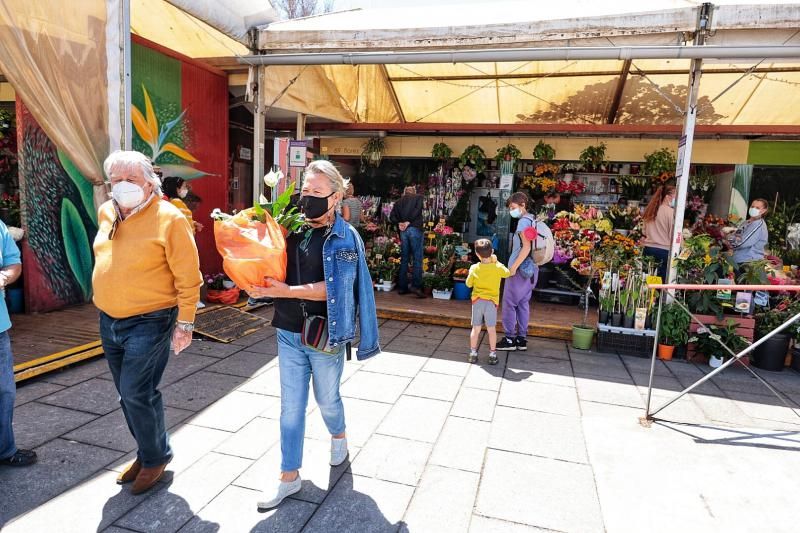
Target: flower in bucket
(273, 178)
(214, 281)
(443, 230)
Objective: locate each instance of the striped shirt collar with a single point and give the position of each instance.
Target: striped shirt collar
(135, 210)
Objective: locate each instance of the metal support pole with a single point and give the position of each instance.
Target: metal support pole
(653, 356)
(258, 133)
(300, 135)
(687, 139)
(727, 364)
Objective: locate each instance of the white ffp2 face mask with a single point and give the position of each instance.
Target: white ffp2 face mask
(128, 195)
(754, 212)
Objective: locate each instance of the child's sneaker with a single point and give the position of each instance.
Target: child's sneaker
(492, 358)
(473, 357)
(507, 345)
(522, 344)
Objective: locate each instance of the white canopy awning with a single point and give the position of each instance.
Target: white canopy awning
(580, 91)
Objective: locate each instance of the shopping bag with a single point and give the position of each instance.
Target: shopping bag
(251, 250)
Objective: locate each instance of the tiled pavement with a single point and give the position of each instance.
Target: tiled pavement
(547, 440)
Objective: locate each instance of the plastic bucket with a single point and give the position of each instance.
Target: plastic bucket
(16, 300)
(461, 291)
(582, 337)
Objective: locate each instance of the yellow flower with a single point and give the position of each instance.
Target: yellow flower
(707, 259)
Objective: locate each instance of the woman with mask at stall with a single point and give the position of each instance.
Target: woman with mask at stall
(659, 221)
(328, 282)
(519, 286)
(146, 283)
(175, 191)
(750, 241)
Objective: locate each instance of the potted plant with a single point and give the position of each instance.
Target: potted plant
(441, 152)
(771, 355)
(714, 348)
(702, 183)
(372, 151)
(583, 334)
(474, 156)
(508, 152)
(593, 158)
(428, 281)
(796, 347)
(634, 188)
(543, 152)
(442, 287)
(674, 330)
(221, 289)
(624, 219)
(387, 273)
(606, 305)
(751, 273)
(659, 163)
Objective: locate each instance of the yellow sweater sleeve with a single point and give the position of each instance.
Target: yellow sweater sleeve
(185, 267)
(177, 202)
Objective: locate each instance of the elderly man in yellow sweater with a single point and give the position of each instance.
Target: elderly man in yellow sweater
(146, 284)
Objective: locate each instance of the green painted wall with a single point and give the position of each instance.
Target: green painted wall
(785, 153)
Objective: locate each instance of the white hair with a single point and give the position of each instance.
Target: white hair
(121, 160)
(323, 167)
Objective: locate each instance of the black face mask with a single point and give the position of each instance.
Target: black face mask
(314, 207)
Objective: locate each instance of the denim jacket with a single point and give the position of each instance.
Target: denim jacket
(350, 291)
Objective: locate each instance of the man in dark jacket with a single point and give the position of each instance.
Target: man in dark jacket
(407, 214)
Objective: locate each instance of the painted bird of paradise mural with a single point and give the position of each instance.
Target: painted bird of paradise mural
(147, 127)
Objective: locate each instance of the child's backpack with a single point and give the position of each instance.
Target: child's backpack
(543, 246)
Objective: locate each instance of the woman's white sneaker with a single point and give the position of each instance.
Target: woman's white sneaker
(279, 492)
(338, 451)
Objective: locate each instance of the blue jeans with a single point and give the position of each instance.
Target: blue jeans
(137, 351)
(8, 391)
(410, 246)
(297, 364)
(662, 257)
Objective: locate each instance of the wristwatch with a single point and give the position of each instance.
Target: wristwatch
(185, 326)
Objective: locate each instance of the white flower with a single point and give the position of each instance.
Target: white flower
(271, 179)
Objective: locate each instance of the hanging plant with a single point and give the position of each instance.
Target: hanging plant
(593, 158)
(544, 152)
(508, 152)
(441, 152)
(659, 163)
(372, 151)
(474, 156)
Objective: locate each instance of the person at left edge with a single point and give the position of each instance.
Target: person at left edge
(146, 284)
(11, 269)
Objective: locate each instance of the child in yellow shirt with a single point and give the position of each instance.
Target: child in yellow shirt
(484, 279)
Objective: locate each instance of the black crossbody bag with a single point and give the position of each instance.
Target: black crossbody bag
(315, 327)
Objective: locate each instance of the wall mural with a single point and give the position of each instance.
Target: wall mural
(180, 118)
(161, 150)
(59, 219)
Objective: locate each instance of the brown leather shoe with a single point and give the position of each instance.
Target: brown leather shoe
(130, 473)
(147, 478)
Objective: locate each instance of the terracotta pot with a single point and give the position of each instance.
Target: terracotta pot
(665, 352)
